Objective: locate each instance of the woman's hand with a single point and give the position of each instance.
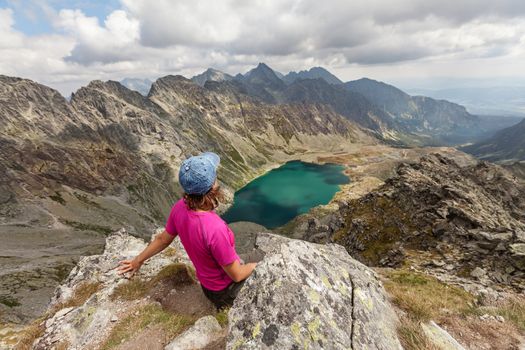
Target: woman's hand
(159, 243)
(131, 266)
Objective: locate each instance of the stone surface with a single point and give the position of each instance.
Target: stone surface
(440, 337)
(204, 332)
(87, 325)
(305, 295)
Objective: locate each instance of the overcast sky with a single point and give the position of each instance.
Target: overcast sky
(411, 43)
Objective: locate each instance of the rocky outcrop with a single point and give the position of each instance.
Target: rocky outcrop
(163, 283)
(467, 221)
(305, 295)
(301, 295)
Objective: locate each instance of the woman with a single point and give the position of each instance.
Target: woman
(207, 239)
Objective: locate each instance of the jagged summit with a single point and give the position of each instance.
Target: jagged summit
(312, 73)
(211, 74)
(263, 74)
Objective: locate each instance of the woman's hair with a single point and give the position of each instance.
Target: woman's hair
(208, 201)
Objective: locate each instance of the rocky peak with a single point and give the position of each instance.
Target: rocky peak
(264, 76)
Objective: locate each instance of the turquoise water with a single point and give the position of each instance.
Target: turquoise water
(283, 193)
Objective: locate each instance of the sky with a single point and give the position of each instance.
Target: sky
(408, 43)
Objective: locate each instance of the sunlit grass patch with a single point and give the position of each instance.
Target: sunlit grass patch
(148, 315)
(424, 297)
(512, 310)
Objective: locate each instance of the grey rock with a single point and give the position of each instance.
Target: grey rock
(517, 252)
(306, 295)
(86, 326)
(440, 337)
(478, 272)
(468, 216)
(203, 333)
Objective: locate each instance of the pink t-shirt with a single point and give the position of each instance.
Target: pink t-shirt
(208, 241)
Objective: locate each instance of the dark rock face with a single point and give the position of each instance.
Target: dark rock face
(465, 217)
(312, 73)
(305, 295)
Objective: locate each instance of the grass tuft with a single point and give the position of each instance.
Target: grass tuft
(137, 288)
(81, 293)
(57, 197)
(512, 310)
(412, 336)
(222, 316)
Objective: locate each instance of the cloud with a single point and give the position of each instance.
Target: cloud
(115, 41)
(153, 38)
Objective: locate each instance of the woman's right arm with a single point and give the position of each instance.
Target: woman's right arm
(159, 243)
(238, 271)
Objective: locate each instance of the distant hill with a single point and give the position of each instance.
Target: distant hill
(211, 75)
(499, 100)
(140, 85)
(312, 73)
(447, 122)
(507, 145)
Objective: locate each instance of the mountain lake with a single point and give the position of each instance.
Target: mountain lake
(283, 193)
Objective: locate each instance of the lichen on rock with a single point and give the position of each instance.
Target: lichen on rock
(310, 296)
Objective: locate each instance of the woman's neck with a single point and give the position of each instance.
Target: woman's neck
(201, 210)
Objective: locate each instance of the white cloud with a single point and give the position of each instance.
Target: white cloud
(115, 41)
(384, 40)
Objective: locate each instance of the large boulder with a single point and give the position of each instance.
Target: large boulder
(310, 296)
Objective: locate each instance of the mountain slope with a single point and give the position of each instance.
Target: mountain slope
(312, 73)
(507, 145)
(352, 105)
(470, 217)
(71, 172)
